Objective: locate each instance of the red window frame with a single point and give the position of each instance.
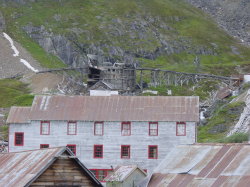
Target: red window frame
(96, 152)
(129, 129)
(72, 122)
(98, 122)
(150, 131)
(149, 151)
(22, 138)
(123, 151)
(41, 126)
(177, 126)
(72, 147)
(44, 146)
(96, 173)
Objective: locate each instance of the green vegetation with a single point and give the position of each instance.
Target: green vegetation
(201, 89)
(218, 125)
(104, 22)
(14, 92)
(235, 138)
(4, 131)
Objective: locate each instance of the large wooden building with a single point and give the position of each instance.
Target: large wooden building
(44, 167)
(106, 131)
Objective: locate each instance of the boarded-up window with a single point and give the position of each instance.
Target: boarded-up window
(180, 129)
(19, 139)
(72, 128)
(152, 151)
(98, 128)
(153, 129)
(72, 147)
(126, 129)
(43, 146)
(100, 174)
(98, 151)
(45, 128)
(125, 151)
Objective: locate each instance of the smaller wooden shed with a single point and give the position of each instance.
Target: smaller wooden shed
(44, 167)
(125, 176)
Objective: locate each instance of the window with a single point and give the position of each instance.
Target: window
(43, 146)
(152, 151)
(125, 151)
(19, 137)
(72, 147)
(45, 128)
(153, 129)
(72, 128)
(98, 151)
(100, 174)
(126, 129)
(180, 129)
(98, 128)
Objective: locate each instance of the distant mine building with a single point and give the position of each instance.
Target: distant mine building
(106, 131)
(108, 76)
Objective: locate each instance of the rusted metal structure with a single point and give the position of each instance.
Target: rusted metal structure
(44, 167)
(203, 165)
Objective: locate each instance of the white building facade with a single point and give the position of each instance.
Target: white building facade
(106, 131)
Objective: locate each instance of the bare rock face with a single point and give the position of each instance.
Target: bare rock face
(58, 45)
(2, 22)
(233, 16)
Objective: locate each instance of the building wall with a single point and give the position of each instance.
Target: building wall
(64, 172)
(111, 141)
(131, 181)
(134, 179)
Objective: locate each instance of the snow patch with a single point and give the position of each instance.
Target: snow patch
(16, 52)
(27, 64)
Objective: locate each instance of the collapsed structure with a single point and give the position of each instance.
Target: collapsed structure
(108, 76)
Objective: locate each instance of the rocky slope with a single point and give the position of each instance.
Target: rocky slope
(232, 15)
(159, 33)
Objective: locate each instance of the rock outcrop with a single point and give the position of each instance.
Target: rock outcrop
(232, 16)
(243, 125)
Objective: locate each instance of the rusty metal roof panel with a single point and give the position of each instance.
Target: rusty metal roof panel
(240, 164)
(19, 115)
(17, 169)
(204, 165)
(113, 108)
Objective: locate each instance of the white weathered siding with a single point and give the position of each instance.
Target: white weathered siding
(111, 140)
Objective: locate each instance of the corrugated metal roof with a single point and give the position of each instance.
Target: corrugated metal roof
(17, 169)
(204, 165)
(122, 172)
(115, 108)
(19, 115)
(22, 168)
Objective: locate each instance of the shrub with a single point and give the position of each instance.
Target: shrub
(236, 138)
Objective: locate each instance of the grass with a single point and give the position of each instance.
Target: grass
(235, 138)
(99, 22)
(218, 125)
(201, 89)
(14, 92)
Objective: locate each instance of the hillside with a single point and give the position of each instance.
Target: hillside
(165, 34)
(232, 16)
